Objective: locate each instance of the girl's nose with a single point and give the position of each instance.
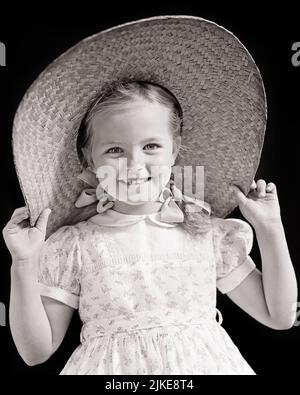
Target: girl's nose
(135, 161)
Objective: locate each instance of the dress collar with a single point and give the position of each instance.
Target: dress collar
(114, 218)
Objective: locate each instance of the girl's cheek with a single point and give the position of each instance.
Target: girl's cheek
(107, 169)
(164, 157)
(107, 162)
(161, 174)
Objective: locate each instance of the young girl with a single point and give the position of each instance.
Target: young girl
(142, 261)
(146, 290)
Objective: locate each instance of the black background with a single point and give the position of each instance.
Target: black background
(34, 38)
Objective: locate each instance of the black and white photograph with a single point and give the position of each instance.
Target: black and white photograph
(149, 200)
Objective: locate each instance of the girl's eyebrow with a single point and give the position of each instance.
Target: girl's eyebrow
(142, 142)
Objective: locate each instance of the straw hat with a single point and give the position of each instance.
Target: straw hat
(205, 66)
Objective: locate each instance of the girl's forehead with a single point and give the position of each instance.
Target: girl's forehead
(134, 122)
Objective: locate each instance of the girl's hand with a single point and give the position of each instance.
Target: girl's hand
(261, 205)
(23, 241)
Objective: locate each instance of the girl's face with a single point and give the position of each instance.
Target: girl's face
(134, 143)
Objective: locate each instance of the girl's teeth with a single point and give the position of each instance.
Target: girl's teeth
(137, 181)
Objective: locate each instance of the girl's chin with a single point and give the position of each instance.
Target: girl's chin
(136, 198)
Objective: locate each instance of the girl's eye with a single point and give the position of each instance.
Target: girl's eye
(116, 150)
(109, 151)
(158, 146)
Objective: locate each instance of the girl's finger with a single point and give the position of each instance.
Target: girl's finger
(13, 227)
(41, 223)
(239, 195)
(19, 211)
(261, 188)
(253, 185)
(271, 187)
(20, 214)
(18, 218)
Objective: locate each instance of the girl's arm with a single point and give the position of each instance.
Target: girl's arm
(38, 324)
(270, 296)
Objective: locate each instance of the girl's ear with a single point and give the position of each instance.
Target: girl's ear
(176, 146)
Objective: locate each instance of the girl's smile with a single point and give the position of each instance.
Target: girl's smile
(136, 181)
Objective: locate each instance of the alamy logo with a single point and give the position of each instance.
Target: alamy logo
(2, 54)
(296, 56)
(2, 314)
(296, 308)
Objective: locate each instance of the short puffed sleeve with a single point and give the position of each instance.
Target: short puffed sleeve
(60, 266)
(233, 240)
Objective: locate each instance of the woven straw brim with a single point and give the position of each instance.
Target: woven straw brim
(211, 73)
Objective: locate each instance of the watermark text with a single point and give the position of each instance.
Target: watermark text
(2, 314)
(296, 54)
(2, 55)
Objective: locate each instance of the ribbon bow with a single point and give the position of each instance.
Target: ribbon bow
(169, 212)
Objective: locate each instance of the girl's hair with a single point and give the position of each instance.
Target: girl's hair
(124, 93)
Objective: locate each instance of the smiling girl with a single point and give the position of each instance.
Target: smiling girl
(139, 259)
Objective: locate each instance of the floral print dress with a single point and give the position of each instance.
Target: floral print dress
(146, 293)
